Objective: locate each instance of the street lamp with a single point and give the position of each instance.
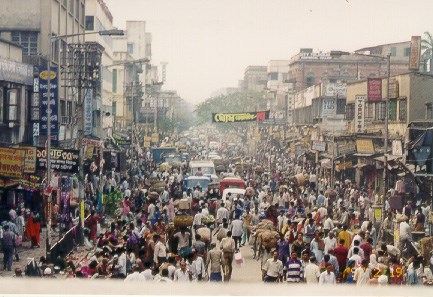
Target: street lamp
(53, 38)
(386, 57)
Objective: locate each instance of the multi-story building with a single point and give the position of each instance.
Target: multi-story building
(255, 78)
(99, 18)
(308, 68)
(278, 90)
(29, 23)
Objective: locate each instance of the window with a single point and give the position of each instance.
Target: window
(392, 110)
(90, 22)
(28, 40)
(407, 52)
(402, 110)
(380, 108)
(114, 82)
(83, 15)
(310, 81)
(350, 112)
(341, 106)
(69, 109)
(71, 7)
(12, 105)
(273, 75)
(1, 105)
(369, 111)
(130, 48)
(62, 108)
(393, 51)
(77, 9)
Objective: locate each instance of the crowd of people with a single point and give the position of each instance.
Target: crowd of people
(327, 234)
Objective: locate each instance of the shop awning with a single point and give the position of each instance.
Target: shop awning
(390, 158)
(362, 155)
(360, 166)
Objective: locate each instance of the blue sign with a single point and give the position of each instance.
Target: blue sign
(54, 102)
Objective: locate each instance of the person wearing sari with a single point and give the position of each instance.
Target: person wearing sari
(33, 229)
(92, 224)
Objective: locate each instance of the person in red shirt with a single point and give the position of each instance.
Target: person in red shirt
(367, 247)
(340, 252)
(395, 272)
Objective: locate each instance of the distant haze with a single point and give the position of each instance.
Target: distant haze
(209, 43)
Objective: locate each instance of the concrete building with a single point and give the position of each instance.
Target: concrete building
(308, 68)
(16, 100)
(255, 78)
(278, 90)
(99, 18)
(29, 23)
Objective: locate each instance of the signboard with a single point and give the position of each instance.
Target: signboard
(365, 146)
(15, 72)
(119, 140)
(89, 151)
(12, 162)
(343, 166)
(346, 148)
(329, 107)
(258, 116)
(374, 89)
(415, 52)
(319, 146)
(95, 143)
(155, 138)
(31, 182)
(61, 159)
(359, 113)
(393, 90)
(53, 102)
(30, 159)
(88, 112)
(335, 89)
(315, 56)
(397, 148)
(146, 142)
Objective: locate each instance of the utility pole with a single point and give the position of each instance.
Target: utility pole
(385, 154)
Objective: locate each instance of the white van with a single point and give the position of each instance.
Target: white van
(203, 168)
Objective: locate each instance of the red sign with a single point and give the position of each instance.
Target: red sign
(374, 89)
(415, 52)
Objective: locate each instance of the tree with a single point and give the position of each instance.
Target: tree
(427, 48)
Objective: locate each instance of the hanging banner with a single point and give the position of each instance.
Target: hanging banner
(359, 113)
(146, 142)
(155, 138)
(54, 102)
(31, 182)
(319, 146)
(61, 159)
(374, 89)
(258, 116)
(119, 140)
(12, 162)
(397, 148)
(88, 112)
(89, 151)
(415, 52)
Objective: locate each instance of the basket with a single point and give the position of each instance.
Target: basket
(153, 195)
(183, 221)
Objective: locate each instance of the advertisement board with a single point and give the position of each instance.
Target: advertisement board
(240, 117)
(397, 148)
(53, 102)
(364, 146)
(88, 112)
(415, 52)
(61, 159)
(31, 182)
(329, 107)
(346, 148)
(359, 118)
(374, 89)
(319, 146)
(335, 89)
(12, 162)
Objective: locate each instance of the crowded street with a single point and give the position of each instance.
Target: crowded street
(315, 170)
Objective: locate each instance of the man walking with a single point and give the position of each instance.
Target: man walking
(216, 261)
(228, 247)
(8, 244)
(273, 269)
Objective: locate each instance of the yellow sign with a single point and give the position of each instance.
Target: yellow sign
(365, 146)
(82, 211)
(44, 75)
(30, 158)
(343, 166)
(146, 142)
(378, 215)
(155, 137)
(89, 151)
(12, 162)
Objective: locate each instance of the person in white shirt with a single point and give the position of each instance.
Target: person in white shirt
(273, 269)
(264, 204)
(222, 213)
(165, 277)
(405, 234)
(237, 231)
(160, 251)
(198, 267)
(328, 225)
(330, 242)
(327, 276)
(147, 272)
(135, 275)
(312, 271)
(181, 274)
(196, 223)
(356, 257)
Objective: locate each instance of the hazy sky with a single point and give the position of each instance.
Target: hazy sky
(209, 43)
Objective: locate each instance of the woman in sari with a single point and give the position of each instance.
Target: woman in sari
(33, 229)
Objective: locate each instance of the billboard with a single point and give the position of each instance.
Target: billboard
(329, 107)
(374, 89)
(415, 52)
(53, 102)
(88, 112)
(335, 89)
(61, 159)
(359, 118)
(254, 116)
(12, 162)
(365, 146)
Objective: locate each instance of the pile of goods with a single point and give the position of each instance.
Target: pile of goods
(158, 187)
(250, 192)
(153, 196)
(205, 234)
(183, 221)
(209, 219)
(265, 234)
